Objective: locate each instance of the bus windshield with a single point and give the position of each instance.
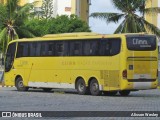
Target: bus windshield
(10, 56)
(141, 43)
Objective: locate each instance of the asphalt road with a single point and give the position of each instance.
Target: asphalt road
(37, 100)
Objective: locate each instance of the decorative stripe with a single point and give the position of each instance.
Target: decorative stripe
(51, 85)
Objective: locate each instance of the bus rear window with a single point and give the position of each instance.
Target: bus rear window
(141, 43)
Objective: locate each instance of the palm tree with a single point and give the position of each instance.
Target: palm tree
(132, 13)
(14, 22)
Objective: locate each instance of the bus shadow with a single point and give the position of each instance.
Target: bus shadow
(74, 92)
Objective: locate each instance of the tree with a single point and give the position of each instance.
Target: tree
(60, 24)
(14, 22)
(47, 9)
(132, 13)
(3, 15)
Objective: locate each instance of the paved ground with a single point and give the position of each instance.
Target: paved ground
(37, 100)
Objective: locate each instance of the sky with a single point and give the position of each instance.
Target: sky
(100, 26)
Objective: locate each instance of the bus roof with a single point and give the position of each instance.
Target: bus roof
(73, 36)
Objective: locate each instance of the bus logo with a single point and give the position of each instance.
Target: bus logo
(139, 42)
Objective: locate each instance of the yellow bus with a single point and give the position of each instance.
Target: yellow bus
(89, 62)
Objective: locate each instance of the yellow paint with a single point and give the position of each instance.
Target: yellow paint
(38, 3)
(80, 8)
(3, 1)
(106, 69)
(154, 17)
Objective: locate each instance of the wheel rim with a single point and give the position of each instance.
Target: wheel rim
(20, 84)
(81, 87)
(95, 87)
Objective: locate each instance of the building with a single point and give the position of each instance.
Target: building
(61, 7)
(154, 17)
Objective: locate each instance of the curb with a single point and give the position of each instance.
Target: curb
(5, 86)
(2, 85)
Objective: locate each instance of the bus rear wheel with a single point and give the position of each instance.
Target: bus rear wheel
(81, 87)
(19, 85)
(124, 92)
(94, 87)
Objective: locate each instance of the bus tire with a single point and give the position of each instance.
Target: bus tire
(81, 87)
(124, 92)
(110, 93)
(47, 89)
(19, 85)
(94, 88)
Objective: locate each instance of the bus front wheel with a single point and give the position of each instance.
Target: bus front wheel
(19, 85)
(94, 88)
(124, 92)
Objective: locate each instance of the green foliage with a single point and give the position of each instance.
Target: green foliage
(132, 13)
(3, 15)
(13, 22)
(60, 24)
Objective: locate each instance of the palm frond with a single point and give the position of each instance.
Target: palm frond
(109, 17)
(3, 34)
(23, 32)
(25, 9)
(152, 28)
(152, 11)
(120, 28)
(11, 7)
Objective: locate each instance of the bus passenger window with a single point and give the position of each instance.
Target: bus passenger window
(76, 48)
(22, 50)
(104, 48)
(51, 49)
(43, 49)
(90, 48)
(59, 49)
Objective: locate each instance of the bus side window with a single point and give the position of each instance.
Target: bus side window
(115, 46)
(22, 50)
(43, 51)
(38, 48)
(104, 48)
(61, 48)
(90, 48)
(50, 50)
(33, 49)
(76, 48)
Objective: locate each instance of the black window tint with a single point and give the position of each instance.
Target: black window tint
(61, 48)
(76, 48)
(105, 48)
(115, 46)
(141, 43)
(34, 49)
(10, 56)
(22, 50)
(43, 51)
(110, 47)
(51, 48)
(90, 48)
